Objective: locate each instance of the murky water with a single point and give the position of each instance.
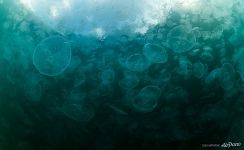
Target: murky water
(109, 75)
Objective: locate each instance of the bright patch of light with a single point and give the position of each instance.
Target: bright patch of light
(66, 4)
(100, 33)
(28, 4)
(54, 11)
(141, 30)
(189, 4)
(85, 16)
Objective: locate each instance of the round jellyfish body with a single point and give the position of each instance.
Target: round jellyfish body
(199, 69)
(129, 81)
(80, 78)
(185, 67)
(207, 57)
(147, 99)
(238, 58)
(181, 39)
(137, 62)
(212, 76)
(105, 88)
(155, 53)
(108, 75)
(52, 56)
(227, 76)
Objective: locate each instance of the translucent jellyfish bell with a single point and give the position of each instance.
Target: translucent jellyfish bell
(185, 67)
(137, 62)
(52, 56)
(129, 81)
(105, 89)
(227, 76)
(147, 99)
(181, 39)
(107, 75)
(239, 61)
(155, 53)
(212, 76)
(199, 69)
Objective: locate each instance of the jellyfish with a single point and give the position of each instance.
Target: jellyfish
(199, 69)
(78, 112)
(52, 56)
(129, 81)
(239, 61)
(181, 39)
(161, 79)
(74, 65)
(155, 53)
(217, 32)
(236, 40)
(212, 76)
(105, 89)
(185, 67)
(227, 76)
(79, 78)
(107, 75)
(147, 99)
(137, 62)
(75, 96)
(207, 56)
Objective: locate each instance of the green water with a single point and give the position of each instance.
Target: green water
(117, 75)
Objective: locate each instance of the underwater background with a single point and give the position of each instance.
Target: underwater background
(121, 75)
